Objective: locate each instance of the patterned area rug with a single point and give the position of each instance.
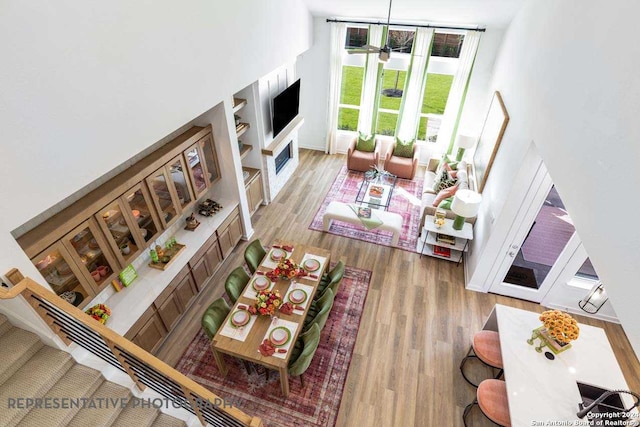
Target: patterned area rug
(405, 202)
(315, 405)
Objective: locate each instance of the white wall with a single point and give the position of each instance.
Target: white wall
(567, 74)
(87, 85)
(313, 66)
(313, 69)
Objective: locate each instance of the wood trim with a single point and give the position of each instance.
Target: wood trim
(126, 214)
(198, 148)
(156, 200)
(282, 139)
(28, 287)
(14, 276)
(60, 224)
(187, 181)
(152, 211)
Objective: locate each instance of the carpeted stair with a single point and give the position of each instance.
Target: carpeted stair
(29, 369)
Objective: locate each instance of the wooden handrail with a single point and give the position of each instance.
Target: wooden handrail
(29, 289)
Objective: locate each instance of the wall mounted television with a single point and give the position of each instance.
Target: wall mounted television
(285, 107)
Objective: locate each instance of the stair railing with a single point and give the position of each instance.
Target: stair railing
(72, 325)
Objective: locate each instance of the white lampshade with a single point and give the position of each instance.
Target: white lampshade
(466, 203)
(465, 141)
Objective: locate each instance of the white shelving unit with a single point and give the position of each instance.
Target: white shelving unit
(428, 239)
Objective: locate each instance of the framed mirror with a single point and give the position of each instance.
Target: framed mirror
(493, 129)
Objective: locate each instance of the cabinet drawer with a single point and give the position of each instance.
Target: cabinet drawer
(172, 286)
(151, 334)
(200, 273)
(213, 258)
(140, 323)
(170, 311)
(186, 291)
(229, 219)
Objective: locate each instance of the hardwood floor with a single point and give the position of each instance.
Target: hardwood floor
(416, 324)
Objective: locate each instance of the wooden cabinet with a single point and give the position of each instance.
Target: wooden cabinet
(121, 231)
(89, 250)
(200, 272)
(138, 203)
(194, 161)
(253, 187)
(170, 310)
(177, 171)
(205, 262)
(229, 233)
(150, 335)
(186, 290)
(164, 196)
(210, 158)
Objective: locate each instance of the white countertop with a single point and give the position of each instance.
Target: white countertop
(545, 390)
(128, 305)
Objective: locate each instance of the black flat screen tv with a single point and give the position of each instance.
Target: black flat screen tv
(285, 107)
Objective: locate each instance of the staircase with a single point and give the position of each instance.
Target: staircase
(29, 369)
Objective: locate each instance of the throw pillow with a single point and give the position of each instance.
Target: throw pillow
(443, 194)
(403, 148)
(443, 180)
(446, 203)
(448, 162)
(366, 143)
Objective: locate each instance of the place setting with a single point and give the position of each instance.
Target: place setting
(313, 265)
(258, 283)
(239, 324)
(277, 254)
(278, 339)
(298, 295)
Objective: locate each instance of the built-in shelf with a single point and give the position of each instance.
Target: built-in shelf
(283, 138)
(241, 129)
(245, 150)
(252, 173)
(238, 103)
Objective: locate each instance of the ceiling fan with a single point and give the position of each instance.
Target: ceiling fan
(384, 51)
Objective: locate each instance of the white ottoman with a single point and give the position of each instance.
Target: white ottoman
(342, 212)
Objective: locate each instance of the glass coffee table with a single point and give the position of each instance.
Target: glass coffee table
(376, 193)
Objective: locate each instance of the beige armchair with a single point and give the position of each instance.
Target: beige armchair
(362, 160)
(403, 167)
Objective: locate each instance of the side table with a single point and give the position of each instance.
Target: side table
(431, 240)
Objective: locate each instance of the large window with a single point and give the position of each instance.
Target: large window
(390, 99)
(434, 101)
(350, 94)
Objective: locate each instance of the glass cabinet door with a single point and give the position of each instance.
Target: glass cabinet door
(164, 197)
(210, 158)
(195, 165)
(139, 204)
(63, 275)
(121, 232)
(90, 251)
(182, 185)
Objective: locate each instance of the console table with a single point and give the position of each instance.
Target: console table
(542, 390)
(429, 239)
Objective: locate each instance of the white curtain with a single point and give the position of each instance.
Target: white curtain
(458, 92)
(416, 82)
(369, 86)
(338, 37)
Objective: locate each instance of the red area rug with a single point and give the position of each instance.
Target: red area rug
(405, 201)
(318, 403)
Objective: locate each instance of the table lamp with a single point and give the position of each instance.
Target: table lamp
(595, 300)
(466, 204)
(463, 142)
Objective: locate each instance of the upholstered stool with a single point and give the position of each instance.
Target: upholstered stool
(486, 348)
(493, 401)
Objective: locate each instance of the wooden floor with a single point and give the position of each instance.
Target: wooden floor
(416, 324)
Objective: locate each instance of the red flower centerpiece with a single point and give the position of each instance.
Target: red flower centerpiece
(286, 269)
(267, 303)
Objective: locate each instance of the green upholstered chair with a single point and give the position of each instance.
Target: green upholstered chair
(334, 276)
(254, 254)
(235, 283)
(214, 317)
(323, 309)
(299, 363)
(317, 305)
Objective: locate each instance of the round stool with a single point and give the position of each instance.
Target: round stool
(493, 401)
(486, 348)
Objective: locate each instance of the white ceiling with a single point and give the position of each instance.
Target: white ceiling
(490, 13)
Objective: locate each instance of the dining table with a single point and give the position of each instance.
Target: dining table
(243, 342)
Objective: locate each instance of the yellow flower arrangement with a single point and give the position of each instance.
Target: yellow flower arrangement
(560, 326)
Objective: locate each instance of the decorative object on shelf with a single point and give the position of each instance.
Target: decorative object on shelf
(438, 217)
(466, 204)
(267, 303)
(557, 331)
(128, 275)
(100, 312)
(125, 248)
(209, 207)
(192, 223)
(594, 301)
(154, 255)
(441, 251)
(464, 142)
(286, 269)
(237, 118)
(167, 257)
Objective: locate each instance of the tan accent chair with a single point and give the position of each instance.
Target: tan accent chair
(362, 160)
(403, 167)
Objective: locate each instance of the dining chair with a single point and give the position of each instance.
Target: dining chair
(486, 348)
(254, 254)
(493, 401)
(320, 318)
(331, 278)
(298, 364)
(235, 283)
(317, 305)
(214, 317)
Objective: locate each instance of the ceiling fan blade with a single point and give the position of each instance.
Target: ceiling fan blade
(370, 47)
(352, 51)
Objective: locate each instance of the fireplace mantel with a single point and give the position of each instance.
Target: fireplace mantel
(281, 141)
